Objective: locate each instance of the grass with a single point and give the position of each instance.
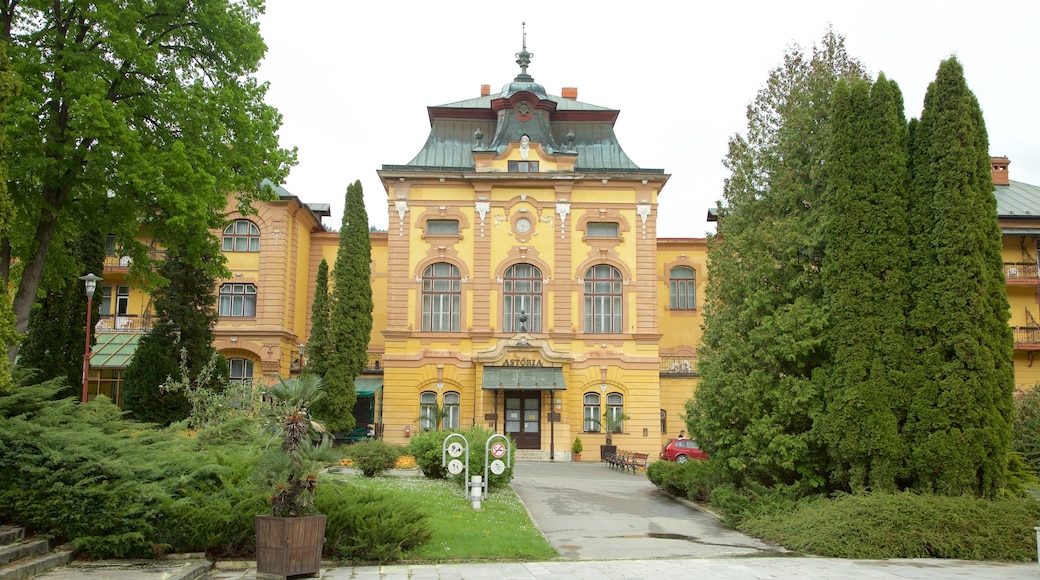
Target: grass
(500, 530)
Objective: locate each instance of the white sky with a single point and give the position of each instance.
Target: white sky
(353, 79)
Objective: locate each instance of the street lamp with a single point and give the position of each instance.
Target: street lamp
(90, 282)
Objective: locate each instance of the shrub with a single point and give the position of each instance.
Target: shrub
(669, 476)
(905, 525)
(477, 438)
(373, 457)
(367, 525)
(693, 479)
(426, 448)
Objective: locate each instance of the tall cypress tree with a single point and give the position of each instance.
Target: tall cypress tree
(317, 347)
(756, 401)
(350, 315)
(865, 289)
(959, 424)
(185, 313)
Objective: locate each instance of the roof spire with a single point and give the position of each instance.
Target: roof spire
(523, 58)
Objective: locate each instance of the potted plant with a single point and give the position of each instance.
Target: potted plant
(576, 449)
(289, 541)
(613, 422)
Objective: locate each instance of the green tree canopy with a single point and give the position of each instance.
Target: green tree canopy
(136, 118)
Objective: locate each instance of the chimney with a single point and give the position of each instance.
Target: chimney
(570, 93)
(485, 90)
(999, 170)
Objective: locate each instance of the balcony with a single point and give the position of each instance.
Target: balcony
(374, 365)
(124, 323)
(117, 263)
(1021, 273)
(679, 366)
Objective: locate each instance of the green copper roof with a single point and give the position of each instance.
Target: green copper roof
(1018, 200)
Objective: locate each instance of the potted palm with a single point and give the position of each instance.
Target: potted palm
(613, 422)
(576, 449)
(289, 540)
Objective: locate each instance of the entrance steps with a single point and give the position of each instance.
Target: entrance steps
(22, 557)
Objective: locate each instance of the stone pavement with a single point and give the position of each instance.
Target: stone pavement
(605, 524)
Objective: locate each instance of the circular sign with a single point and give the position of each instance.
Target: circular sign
(455, 449)
(498, 467)
(455, 467)
(498, 449)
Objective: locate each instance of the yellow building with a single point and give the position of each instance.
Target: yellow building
(521, 284)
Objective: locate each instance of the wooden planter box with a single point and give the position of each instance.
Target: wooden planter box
(289, 546)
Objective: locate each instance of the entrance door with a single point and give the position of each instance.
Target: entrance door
(523, 412)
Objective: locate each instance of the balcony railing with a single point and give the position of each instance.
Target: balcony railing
(375, 364)
(1025, 272)
(679, 366)
(1027, 337)
(115, 261)
(124, 323)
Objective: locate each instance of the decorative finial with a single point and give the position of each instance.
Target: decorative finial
(523, 58)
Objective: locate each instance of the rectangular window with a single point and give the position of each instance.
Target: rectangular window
(602, 230)
(122, 300)
(442, 227)
(523, 167)
(106, 300)
(110, 245)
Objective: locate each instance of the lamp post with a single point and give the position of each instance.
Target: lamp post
(90, 283)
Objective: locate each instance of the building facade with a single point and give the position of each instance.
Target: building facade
(521, 284)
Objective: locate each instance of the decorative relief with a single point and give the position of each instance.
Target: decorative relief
(563, 209)
(643, 210)
(402, 208)
(482, 208)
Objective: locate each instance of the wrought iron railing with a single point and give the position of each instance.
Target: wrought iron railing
(118, 261)
(124, 323)
(1026, 335)
(1021, 271)
(375, 363)
(679, 365)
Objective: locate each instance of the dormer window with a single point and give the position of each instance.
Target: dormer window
(602, 230)
(523, 167)
(442, 227)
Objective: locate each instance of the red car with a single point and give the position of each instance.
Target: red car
(682, 450)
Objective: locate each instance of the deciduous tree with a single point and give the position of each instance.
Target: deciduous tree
(136, 117)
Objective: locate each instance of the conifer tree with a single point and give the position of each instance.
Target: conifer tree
(185, 313)
(54, 341)
(959, 422)
(317, 347)
(350, 315)
(756, 401)
(865, 292)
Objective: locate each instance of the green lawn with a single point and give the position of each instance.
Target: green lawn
(500, 530)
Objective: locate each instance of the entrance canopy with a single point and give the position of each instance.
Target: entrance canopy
(367, 387)
(524, 378)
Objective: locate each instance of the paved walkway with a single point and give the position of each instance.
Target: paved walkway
(605, 524)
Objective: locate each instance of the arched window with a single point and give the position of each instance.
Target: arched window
(592, 413)
(616, 412)
(240, 370)
(682, 288)
(522, 292)
(428, 410)
(451, 410)
(237, 300)
(441, 298)
(241, 236)
(603, 299)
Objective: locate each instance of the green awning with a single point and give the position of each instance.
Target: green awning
(367, 387)
(524, 378)
(114, 350)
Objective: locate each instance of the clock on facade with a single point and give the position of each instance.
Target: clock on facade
(523, 225)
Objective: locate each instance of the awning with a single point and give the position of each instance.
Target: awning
(114, 350)
(367, 387)
(524, 378)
